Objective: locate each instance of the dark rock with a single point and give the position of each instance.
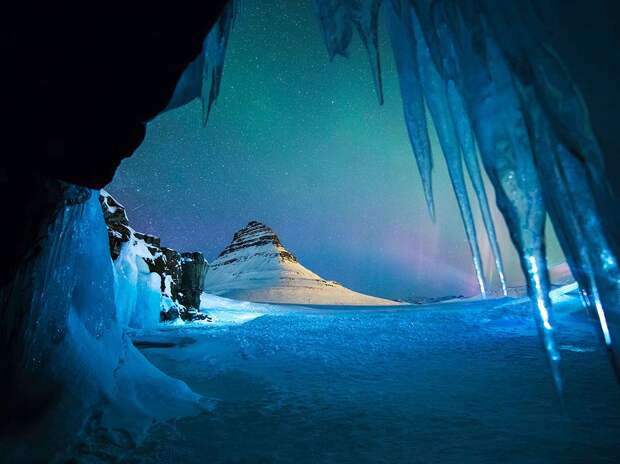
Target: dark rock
(113, 212)
(194, 266)
(192, 314)
(77, 92)
(174, 270)
(167, 263)
(186, 314)
(149, 239)
(115, 217)
(171, 314)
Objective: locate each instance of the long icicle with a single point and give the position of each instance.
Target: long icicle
(203, 76)
(215, 51)
(436, 98)
(470, 156)
(508, 158)
(566, 188)
(366, 18)
(403, 45)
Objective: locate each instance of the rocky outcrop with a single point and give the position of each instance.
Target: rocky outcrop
(428, 300)
(255, 234)
(255, 266)
(116, 219)
(193, 270)
(181, 274)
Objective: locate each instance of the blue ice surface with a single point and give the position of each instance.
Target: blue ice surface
(450, 383)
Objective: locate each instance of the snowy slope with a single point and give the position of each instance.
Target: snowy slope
(256, 267)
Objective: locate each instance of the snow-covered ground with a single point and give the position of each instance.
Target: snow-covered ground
(452, 383)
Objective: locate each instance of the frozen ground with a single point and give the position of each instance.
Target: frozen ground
(455, 383)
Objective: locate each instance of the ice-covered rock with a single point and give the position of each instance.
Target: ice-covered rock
(73, 382)
(255, 266)
(157, 283)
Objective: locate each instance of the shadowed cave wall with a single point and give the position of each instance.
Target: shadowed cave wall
(79, 83)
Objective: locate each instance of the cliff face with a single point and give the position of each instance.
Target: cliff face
(193, 270)
(255, 266)
(116, 219)
(181, 275)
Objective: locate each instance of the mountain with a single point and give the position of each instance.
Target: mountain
(168, 282)
(257, 267)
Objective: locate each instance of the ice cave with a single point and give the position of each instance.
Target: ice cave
(310, 231)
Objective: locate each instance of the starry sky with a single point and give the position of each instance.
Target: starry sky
(301, 144)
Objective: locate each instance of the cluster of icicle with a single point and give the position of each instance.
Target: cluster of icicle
(202, 78)
(485, 74)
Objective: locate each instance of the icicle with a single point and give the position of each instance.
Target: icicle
(437, 101)
(403, 45)
(468, 149)
(337, 21)
(215, 52)
(535, 267)
(571, 207)
(446, 56)
(568, 157)
(507, 156)
(487, 68)
(366, 18)
(203, 77)
(525, 194)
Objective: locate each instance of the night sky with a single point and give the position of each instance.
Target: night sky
(301, 144)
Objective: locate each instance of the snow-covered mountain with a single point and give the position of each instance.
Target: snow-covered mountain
(257, 267)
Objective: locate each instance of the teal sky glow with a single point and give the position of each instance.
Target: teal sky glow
(300, 143)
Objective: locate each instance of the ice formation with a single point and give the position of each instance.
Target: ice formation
(487, 76)
(138, 294)
(75, 364)
(153, 283)
(203, 77)
(423, 91)
(339, 18)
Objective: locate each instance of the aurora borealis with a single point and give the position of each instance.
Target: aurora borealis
(301, 144)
